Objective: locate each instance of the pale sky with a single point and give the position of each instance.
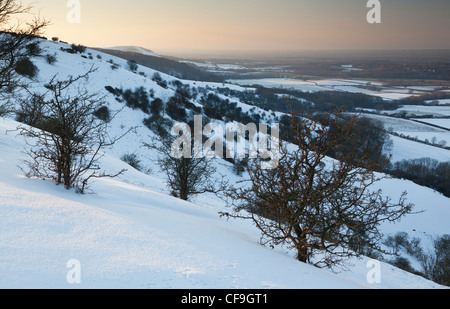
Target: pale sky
(250, 25)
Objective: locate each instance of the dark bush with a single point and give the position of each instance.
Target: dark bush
(157, 106)
(132, 65)
(78, 48)
(115, 91)
(403, 263)
(26, 68)
(33, 49)
(163, 84)
(137, 99)
(132, 160)
(158, 125)
(103, 113)
(51, 59)
(176, 112)
(68, 50)
(220, 109)
(157, 77)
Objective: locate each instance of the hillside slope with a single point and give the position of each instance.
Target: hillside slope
(130, 233)
(162, 64)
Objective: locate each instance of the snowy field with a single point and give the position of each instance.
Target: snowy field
(444, 122)
(404, 149)
(421, 131)
(440, 102)
(354, 86)
(421, 110)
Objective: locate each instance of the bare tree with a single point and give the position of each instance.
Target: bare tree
(316, 204)
(186, 176)
(65, 136)
(436, 264)
(14, 38)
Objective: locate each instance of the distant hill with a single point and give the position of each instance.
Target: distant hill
(154, 61)
(135, 49)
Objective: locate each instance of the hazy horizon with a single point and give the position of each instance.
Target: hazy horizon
(249, 26)
(297, 53)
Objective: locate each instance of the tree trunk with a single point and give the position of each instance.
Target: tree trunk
(67, 164)
(301, 245)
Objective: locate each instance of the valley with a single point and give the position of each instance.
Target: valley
(131, 231)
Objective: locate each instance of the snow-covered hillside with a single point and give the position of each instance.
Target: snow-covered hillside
(129, 232)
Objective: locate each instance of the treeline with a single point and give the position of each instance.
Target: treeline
(322, 101)
(180, 106)
(434, 263)
(425, 172)
(423, 99)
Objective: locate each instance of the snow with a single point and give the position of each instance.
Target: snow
(287, 83)
(231, 67)
(129, 232)
(404, 149)
(349, 68)
(135, 49)
(432, 137)
(398, 124)
(424, 88)
(207, 65)
(421, 110)
(440, 102)
(444, 123)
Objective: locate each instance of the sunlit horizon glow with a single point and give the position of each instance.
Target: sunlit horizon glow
(250, 25)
